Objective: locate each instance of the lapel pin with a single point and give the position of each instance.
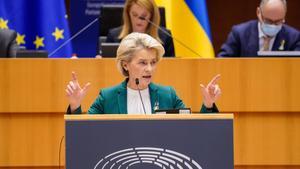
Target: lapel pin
(282, 43)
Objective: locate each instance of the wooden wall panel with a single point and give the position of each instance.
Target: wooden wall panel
(262, 93)
(267, 167)
(262, 138)
(37, 167)
(31, 139)
(248, 84)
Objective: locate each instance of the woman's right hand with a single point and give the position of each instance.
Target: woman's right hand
(75, 93)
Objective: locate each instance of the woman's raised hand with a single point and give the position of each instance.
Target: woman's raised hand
(211, 92)
(75, 93)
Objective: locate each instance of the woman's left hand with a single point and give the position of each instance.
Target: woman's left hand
(211, 92)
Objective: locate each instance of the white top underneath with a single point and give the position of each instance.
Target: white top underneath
(134, 103)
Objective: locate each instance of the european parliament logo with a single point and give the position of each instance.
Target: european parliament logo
(145, 157)
(40, 25)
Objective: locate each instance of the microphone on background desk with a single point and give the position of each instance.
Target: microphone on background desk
(168, 34)
(74, 36)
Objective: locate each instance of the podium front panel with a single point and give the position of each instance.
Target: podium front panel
(149, 144)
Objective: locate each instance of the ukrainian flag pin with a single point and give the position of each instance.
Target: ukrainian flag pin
(282, 45)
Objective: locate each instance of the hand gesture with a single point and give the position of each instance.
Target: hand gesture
(211, 92)
(75, 93)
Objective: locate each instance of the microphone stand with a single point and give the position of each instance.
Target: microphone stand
(137, 82)
(167, 33)
(74, 36)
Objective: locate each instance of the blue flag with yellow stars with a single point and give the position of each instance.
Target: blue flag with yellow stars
(40, 25)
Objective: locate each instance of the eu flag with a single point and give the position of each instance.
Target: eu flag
(40, 24)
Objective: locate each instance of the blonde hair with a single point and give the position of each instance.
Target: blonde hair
(151, 7)
(133, 43)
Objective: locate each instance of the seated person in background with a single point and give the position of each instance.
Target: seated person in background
(268, 33)
(147, 9)
(137, 58)
(8, 45)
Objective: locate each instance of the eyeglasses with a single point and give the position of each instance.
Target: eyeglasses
(270, 21)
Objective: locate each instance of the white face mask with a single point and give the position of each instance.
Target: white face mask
(270, 30)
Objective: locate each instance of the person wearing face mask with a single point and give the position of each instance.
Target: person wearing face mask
(133, 10)
(268, 33)
(137, 58)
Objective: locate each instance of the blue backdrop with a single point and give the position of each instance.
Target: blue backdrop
(84, 12)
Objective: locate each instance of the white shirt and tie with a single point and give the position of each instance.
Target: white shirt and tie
(265, 43)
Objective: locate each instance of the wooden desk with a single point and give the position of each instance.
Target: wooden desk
(263, 94)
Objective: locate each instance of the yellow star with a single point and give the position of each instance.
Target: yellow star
(3, 23)
(58, 34)
(39, 42)
(20, 39)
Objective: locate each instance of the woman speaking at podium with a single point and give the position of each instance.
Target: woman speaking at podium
(137, 58)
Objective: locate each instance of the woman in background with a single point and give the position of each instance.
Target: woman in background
(134, 11)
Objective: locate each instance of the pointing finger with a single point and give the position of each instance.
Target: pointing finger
(214, 80)
(74, 77)
(86, 86)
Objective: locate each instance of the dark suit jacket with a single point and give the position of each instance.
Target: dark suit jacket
(243, 40)
(8, 45)
(113, 34)
(113, 100)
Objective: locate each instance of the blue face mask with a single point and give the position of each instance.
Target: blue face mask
(270, 30)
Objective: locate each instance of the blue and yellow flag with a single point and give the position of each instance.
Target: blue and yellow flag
(40, 24)
(189, 23)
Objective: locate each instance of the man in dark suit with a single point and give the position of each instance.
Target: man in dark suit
(268, 33)
(8, 45)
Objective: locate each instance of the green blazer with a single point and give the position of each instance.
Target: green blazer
(113, 100)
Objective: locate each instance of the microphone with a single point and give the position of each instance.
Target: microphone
(74, 36)
(137, 82)
(167, 33)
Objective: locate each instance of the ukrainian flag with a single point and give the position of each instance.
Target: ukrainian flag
(40, 24)
(189, 23)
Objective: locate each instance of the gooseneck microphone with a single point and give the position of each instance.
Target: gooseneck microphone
(137, 82)
(74, 36)
(167, 33)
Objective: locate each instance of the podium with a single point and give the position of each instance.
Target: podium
(195, 141)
